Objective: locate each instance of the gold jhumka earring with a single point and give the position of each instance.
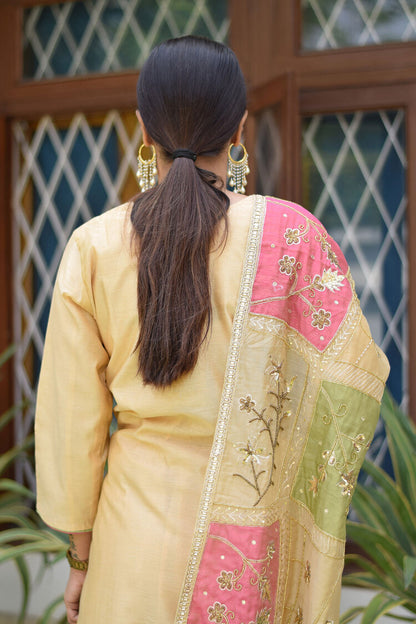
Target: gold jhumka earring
(146, 169)
(237, 170)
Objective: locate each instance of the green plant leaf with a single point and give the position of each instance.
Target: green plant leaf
(7, 354)
(25, 578)
(379, 605)
(45, 619)
(399, 504)
(8, 485)
(401, 435)
(369, 573)
(10, 553)
(380, 547)
(374, 509)
(409, 570)
(15, 517)
(394, 525)
(350, 615)
(9, 456)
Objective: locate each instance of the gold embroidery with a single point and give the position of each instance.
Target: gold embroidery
(268, 425)
(329, 280)
(293, 236)
(347, 483)
(262, 617)
(307, 575)
(226, 580)
(219, 613)
(297, 342)
(217, 450)
(338, 456)
(287, 265)
(321, 319)
(230, 580)
(299, 616)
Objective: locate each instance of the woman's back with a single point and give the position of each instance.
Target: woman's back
(158, 455)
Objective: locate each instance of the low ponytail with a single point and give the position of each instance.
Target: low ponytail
(173, 293)
(191, 94)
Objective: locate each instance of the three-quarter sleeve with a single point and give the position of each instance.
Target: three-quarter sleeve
(74, 405)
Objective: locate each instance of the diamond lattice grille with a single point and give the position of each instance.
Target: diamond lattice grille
(354, 170)
(65, 172)
(72, 38)
(341, 23)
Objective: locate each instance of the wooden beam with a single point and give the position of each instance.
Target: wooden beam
(87, 93)
(321, 101)
(6, 332)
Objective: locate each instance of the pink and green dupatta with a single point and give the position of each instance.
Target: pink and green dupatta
(300, 402)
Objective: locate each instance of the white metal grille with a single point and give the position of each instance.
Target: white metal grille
(341, 23)
(354, 170)
(111, 35)
(64, 173)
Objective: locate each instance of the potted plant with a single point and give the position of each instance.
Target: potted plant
(386, 527)
(21, 530)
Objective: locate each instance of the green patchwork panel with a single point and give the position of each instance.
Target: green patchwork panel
(342, 428)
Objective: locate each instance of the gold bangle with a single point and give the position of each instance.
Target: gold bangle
(76, 563)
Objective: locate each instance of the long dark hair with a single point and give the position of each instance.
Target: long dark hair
(191, 95)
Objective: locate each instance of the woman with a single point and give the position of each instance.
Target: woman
(226, 335)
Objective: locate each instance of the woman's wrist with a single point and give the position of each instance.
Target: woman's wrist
(75, 563)
(78, 551)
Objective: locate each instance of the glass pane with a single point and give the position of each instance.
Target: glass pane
(354, 174)
(342, 23)
(96, 36)
(65, 172)
(268, 152)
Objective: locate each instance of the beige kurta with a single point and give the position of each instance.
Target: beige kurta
(144, 513)
(226, 494)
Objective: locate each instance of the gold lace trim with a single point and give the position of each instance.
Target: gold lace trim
(214, 463)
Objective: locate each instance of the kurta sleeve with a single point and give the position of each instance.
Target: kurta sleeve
(74, 405)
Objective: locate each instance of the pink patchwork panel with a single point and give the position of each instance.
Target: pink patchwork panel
(237, 577)
(301, 277)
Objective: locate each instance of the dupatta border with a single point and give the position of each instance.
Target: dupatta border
(208, 491)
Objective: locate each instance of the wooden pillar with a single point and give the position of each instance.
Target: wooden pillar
(9, 54)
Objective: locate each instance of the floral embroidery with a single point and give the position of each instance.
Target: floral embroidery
(331, 280)
(322, 238)
(230, 580)
(247, 404)
(307, 575)
(321, 319)
(287, 264)
(225, 580)
(252, 453)
(338, 457)
(314, 481)
(299, 616)
(219, 613)
(268, 425)
(293, 235)
(262, 617)
(347, 483)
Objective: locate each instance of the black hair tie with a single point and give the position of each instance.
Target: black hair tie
(184, 153)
